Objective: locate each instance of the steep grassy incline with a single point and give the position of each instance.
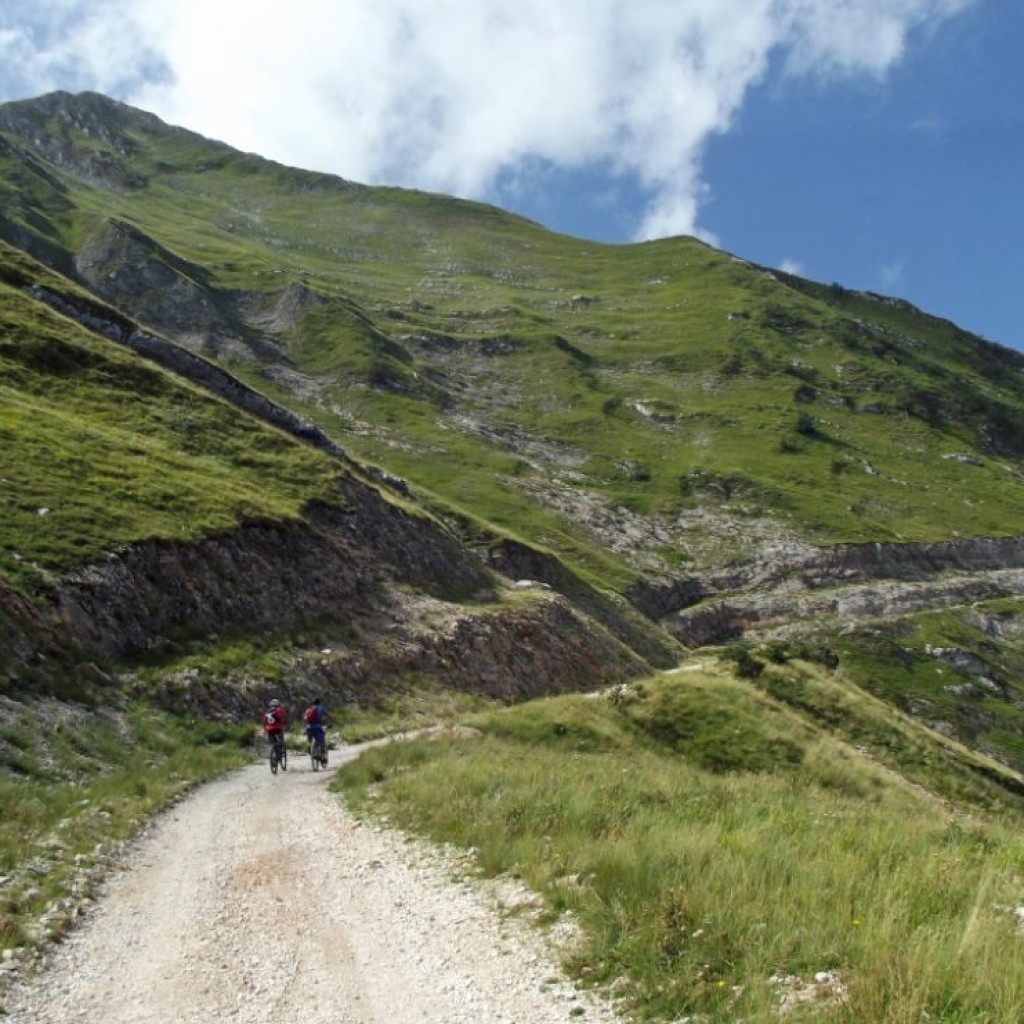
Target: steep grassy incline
(147, 519)
(103, 449)
(638, 409)
(729, 449)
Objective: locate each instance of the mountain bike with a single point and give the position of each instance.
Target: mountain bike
(318, 752)
(278, 753)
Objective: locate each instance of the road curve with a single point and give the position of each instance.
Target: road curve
(260, 898)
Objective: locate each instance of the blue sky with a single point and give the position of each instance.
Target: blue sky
(875, 143)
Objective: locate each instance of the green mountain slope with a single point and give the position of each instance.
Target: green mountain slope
(660, 424)
(268, 431)
(646, 417)
(540, 381)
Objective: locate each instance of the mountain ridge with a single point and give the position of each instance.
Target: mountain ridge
(684, 445)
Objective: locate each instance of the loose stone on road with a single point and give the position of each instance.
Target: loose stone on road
(260, 898)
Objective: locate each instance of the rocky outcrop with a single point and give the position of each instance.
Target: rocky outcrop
(347, 568)
(264, 576)
(791, 608)
(804, 567)
(550, 649)
(519, 561)
(125, 267)
(509, 654)
(27, 637)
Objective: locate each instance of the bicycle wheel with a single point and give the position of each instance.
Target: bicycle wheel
(323, 753)
(314, 755)
(273, 759)
(284, 756)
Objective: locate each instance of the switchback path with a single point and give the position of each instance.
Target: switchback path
(259, 898)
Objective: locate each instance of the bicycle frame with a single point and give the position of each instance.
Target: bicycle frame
(278, 752)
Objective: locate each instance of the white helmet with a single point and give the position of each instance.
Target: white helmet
(275, 703)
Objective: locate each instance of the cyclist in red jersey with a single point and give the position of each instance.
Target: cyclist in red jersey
(274, 719)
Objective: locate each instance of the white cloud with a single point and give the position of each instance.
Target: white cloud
(459, 95)
(792, 267)
(893, 277)
(68, 44)
(930, 126)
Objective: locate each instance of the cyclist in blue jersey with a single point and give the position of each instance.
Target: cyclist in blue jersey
(315, 720)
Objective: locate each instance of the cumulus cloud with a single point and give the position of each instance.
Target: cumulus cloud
(462, 96)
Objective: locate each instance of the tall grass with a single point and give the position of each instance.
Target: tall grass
(724, 893)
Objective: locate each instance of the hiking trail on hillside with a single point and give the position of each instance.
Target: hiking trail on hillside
(260, 898)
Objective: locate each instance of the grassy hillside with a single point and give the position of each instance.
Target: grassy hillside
(638, 413)
(102, 448)
(728, 858)
(550, 386)
(837, 799)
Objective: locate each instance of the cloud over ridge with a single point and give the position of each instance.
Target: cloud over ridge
(458, 96)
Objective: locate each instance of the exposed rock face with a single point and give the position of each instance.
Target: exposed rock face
(129, 269)
(26, 636)
(118, 261)
(263, 576)
(517, 561)
(805, 567)
(351, 567)
(550, 649)
(845, 583)
(547, 647)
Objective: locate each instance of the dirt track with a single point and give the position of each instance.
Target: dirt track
(260, 898)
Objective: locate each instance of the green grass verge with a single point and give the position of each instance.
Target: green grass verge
(712, 841)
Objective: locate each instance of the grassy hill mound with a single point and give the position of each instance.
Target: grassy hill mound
(730, 856)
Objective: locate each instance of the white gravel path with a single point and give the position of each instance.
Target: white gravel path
(260, 898)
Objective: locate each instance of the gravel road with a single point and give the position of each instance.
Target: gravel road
(260, 898)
